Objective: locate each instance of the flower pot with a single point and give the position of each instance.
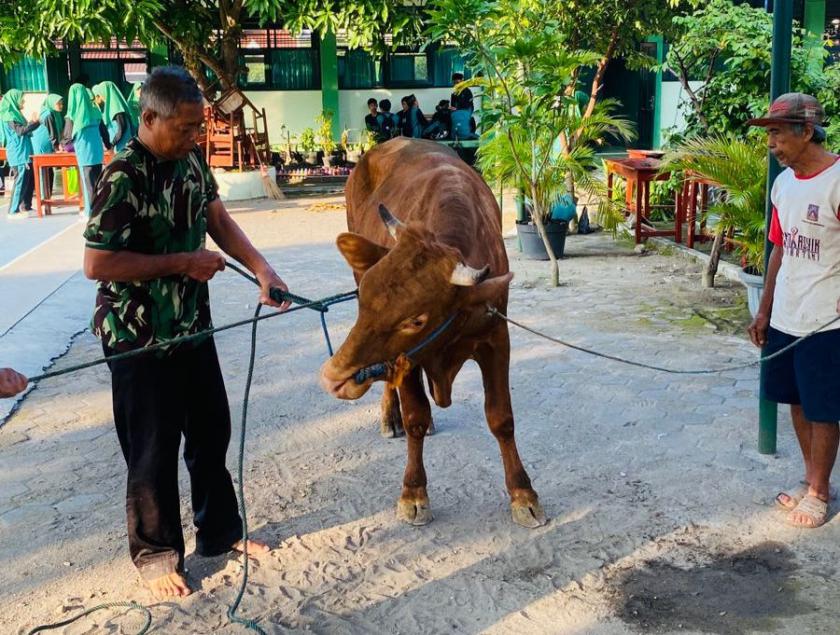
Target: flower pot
(311, 158)
(353, 156)
(532, 245)
(327, 160)
(755, 286)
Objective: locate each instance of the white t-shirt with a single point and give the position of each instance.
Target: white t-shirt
(806, 223)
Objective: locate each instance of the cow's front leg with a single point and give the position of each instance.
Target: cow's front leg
(391, 424)
(413, 506)
(494, 360)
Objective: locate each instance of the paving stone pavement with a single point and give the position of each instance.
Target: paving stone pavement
(634, 467)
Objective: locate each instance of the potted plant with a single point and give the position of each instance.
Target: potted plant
(536, 136)
(352, 151)
(308, 145)
(739, 168)
(324, 137)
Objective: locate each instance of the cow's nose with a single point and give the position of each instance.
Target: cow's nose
(328, 382)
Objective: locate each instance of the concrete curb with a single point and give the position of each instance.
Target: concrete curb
(725, 269)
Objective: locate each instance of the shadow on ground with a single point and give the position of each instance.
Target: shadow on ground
(732, 594)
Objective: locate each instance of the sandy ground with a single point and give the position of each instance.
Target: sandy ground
(659, 503)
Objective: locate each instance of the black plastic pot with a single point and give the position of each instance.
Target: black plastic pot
(532, 245)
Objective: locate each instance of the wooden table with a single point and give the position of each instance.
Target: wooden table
(638, 174)
(633, 153)
(63, 160)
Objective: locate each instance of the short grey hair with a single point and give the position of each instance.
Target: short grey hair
(167, 87)
(817, 137)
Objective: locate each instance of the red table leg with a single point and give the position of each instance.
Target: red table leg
(36, 168)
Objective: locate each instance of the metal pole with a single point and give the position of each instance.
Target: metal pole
(779, 84)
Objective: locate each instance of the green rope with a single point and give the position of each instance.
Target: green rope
(183, 339)
(130, 605)
(317, 305)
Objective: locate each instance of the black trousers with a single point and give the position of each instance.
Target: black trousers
(157, 400)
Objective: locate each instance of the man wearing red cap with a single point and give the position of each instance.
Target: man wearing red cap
(802, 294)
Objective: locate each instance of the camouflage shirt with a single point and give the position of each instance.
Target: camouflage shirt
(150, 206)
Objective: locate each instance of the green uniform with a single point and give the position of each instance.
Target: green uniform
(150, 206)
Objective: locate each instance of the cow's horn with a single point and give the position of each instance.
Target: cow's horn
(465, 276)
(391, 222)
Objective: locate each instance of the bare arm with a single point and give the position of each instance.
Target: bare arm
(233, 241)
(130, 266)
(758, 328)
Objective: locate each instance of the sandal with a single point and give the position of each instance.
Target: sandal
(797, 494)
(814, 509)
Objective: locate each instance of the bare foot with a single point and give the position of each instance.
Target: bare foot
(173, 585)
(254, 548)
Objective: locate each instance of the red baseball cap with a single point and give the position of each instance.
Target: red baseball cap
(792, 108)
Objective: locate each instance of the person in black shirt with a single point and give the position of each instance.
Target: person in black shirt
(371, 119)
(461, 100)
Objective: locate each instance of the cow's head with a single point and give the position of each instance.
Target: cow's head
(404, 294)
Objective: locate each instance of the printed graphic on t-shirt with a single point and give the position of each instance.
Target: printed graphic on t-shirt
(799, 246)
(813, 213)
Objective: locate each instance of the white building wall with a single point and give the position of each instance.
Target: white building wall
(675, 106)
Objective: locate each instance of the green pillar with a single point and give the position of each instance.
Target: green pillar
(329, 81)
(779, 84)
(158, 55)
(656, 142)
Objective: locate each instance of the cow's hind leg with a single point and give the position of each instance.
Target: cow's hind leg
(494, 360)
(391, 424)
(413, 505)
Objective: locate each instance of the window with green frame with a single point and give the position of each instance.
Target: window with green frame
(273, 59)
(431, 68)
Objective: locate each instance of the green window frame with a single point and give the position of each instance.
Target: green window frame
(273, 59)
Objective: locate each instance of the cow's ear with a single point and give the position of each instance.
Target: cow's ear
(360, 253)
(487, 291)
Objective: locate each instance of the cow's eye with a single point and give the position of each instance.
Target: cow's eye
(413, 324)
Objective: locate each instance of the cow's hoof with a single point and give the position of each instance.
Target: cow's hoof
(431, 429)
(391, 429)
(414, 512)
(530, 515)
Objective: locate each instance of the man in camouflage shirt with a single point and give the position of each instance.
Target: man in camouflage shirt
(145, 244)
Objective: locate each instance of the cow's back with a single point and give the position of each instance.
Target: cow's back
(424, 181)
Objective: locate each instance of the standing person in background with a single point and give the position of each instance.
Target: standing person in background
(402, 117)
(372, 120)
(389, 123)
(47, 138)
(461, 100)
(18, 138)
(133, 101)
(85, 131)
(115, 114)
(3, 164)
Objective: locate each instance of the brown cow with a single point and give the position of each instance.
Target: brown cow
(440, 254)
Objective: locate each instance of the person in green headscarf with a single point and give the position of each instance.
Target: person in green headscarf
(87, 135)
(115, 114)
(47, 138)
(18, 132)
(133, 101)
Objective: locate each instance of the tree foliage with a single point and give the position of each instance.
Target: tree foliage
(727, 48)
(206, 32)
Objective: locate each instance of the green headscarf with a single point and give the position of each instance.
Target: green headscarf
(81, 109)
(133, 101)
(49, 107)
(10, 107)
(114, 101)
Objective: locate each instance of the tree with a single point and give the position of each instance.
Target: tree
(727, 48)
(615, 28)
(535, 133)
(205, 32)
